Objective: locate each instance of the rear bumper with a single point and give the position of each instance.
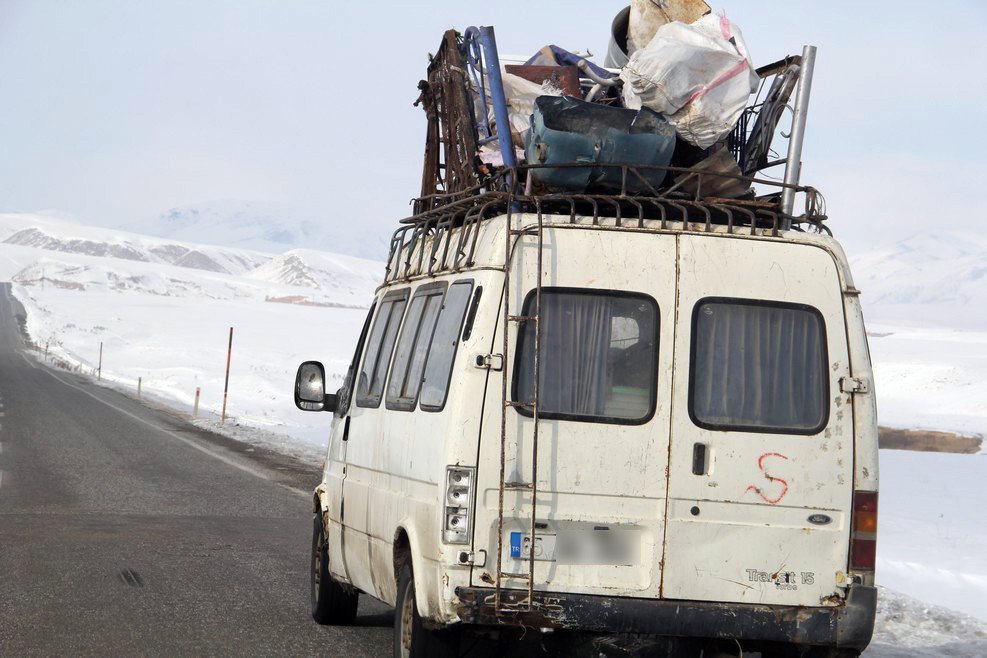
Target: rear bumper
(846, 626)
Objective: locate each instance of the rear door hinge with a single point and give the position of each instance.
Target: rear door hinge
(854, 385)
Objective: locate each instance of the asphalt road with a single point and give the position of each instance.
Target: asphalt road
(126, 530)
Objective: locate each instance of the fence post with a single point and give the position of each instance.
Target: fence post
(226, 386)
(195, 407)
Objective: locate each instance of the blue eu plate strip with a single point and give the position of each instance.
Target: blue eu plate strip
(515, 544)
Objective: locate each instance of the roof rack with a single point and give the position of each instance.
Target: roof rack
(427, 244)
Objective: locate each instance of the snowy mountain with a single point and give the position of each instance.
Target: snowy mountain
(266, 227)
(937, 278)
(49, 234)
(320, 271)
(98, 258)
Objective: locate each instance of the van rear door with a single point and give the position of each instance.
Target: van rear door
(761, 458)
(607, 327)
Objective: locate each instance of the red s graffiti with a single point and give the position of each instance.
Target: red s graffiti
(783, 483)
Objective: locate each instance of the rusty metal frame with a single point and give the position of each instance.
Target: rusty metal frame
(444, 235)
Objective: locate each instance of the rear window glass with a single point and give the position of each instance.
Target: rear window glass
(758, 367)
(598, 361)
(370, 384)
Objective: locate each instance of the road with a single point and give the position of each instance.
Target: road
(126, 530)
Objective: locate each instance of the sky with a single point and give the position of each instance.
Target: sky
(115, 111)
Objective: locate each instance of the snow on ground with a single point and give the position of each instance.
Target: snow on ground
(909, 628)
(925, 299)
(932, 535)
(930, 377)
(169, 325)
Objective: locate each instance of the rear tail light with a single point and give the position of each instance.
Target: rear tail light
(459, 495)
(863, 538)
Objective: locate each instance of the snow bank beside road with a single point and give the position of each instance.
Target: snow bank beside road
(909, 628)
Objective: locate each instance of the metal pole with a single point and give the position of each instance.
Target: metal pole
(99, 370)
(498, 97)
(226, 386)
(195, 408)
(793, 169)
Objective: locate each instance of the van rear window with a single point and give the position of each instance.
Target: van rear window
(758, 367)
(598, 356)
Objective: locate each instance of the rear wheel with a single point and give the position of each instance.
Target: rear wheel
(332, 602)
(411, 638)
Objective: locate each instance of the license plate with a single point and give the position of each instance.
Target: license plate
(544, 546)
(579, 547)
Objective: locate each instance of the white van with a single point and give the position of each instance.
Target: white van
(609, 416)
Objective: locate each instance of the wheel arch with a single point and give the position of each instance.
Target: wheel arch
(406, 550)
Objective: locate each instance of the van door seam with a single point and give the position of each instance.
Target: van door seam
(671, 414)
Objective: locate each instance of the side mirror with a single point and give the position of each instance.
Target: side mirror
(310, 388)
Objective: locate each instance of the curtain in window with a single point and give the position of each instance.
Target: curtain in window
(575, 336)
(759, 367)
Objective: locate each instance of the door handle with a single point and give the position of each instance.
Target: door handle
(699, 459)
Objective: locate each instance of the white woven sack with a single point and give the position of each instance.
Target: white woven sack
(699, 76)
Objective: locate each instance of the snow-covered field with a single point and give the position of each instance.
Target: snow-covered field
(169, 324)
(163, 308)
(925, 299)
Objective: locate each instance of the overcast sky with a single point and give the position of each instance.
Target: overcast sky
(115, 111)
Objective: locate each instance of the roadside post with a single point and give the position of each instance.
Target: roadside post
(226, 385)
(139, 388)
(99, 369)
(195, 407)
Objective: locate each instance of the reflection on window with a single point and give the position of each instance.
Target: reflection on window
(438, 369)
(416, 337)
(598, 359)
(759, 366)
(370, 385)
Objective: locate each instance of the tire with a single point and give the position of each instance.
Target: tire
(332, 602)
(411, 638)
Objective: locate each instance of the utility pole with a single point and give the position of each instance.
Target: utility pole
(226, 386)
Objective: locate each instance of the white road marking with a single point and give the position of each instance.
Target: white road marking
(175, 435)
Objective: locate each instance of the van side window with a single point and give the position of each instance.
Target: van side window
(758, 367)
(598, 358)
(438, 368)
(416, 337)
(370, 385)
